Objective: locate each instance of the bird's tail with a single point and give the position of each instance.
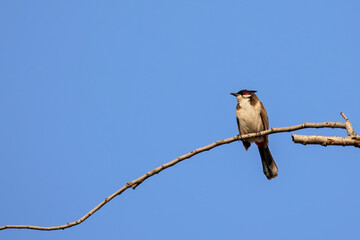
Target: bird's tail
(269, 165)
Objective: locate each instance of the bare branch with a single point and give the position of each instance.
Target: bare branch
(133, 184)
(324, 141)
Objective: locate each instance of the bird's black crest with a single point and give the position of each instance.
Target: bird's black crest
(244, 91)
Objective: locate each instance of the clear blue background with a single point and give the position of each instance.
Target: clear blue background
(96, 93)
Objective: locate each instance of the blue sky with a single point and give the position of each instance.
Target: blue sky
(96, 93)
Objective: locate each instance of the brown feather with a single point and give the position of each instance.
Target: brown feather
(265, 120)
(238, 123)
(245, 143)
(254, 99)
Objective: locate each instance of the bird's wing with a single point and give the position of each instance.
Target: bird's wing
(237, 119)
(264, 119)
(245, 143)
(238, 124)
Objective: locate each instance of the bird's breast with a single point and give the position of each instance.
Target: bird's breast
(249, 118)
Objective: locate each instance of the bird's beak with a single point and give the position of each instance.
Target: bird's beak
(234, 94)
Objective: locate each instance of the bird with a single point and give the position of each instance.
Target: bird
(251, 117)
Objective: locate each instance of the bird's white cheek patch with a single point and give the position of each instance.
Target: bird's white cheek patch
(247, 96)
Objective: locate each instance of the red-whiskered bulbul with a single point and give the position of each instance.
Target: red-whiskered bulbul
(251, 117)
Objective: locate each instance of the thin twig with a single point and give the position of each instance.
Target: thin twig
(349, 128)
(133, 184)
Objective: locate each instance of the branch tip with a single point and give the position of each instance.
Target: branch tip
(343, 115)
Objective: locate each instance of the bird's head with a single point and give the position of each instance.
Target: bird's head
(244, 94)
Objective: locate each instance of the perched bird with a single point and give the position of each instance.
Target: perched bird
(251, 117)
